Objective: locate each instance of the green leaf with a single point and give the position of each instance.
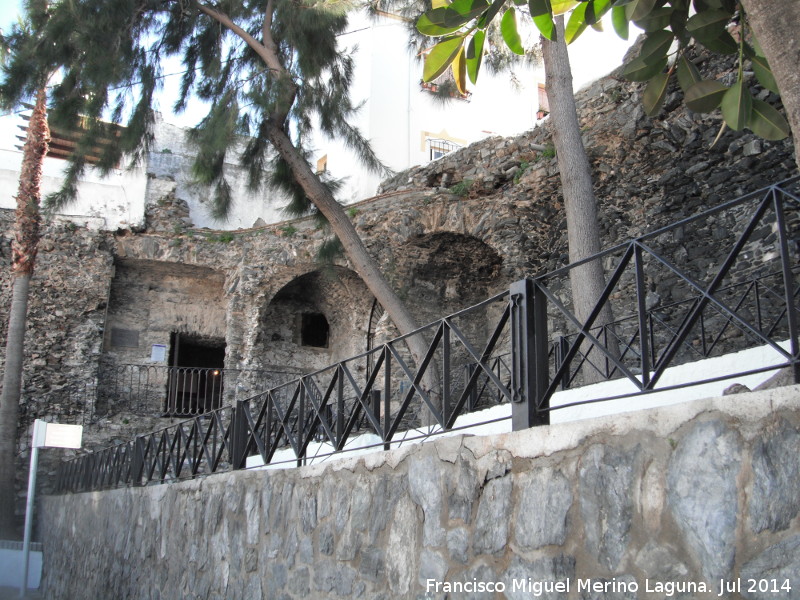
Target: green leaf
(508, 27)
(764, 73)
(595, 9)
(736, 105)
(562, 6)
(486, 18)
(656, 46)
(440, 57)
(722, 44)
(456, 14)
(766, 122)
(426, 27)
(709, 28)
(540, 7)
(638, 9)
(546, 26)
(655, 19)
(677, 23)
(577, 23)
(460, 71)
(620, 21)
(639, 70)
(704, 96)
(708, 21)
(474, 55)
(541, 13)
(688, 74)
(654, 94)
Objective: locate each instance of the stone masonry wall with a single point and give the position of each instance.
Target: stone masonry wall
(656, 504)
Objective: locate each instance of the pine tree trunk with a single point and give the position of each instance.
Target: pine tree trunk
(776, 24)
(583, 231)
(363, 263)
(24, 247)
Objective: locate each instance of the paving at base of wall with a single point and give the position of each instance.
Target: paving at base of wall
(672, 502)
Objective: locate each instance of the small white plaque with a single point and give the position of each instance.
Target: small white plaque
(158, 353)
(56, 435)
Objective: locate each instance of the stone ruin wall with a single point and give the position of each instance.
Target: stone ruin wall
(664, 500)
(443, 246)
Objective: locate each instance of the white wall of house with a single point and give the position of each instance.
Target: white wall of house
(171, 158)
(398, 116)
(112, 202)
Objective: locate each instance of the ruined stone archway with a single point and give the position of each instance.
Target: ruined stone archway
(448, 271)
(314, 320)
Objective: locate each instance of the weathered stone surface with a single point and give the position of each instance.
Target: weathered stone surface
(402, 564)
(491, 523)
(526, 579)
(458, 544)
(775, 499)
(541, 517)
(425, 488)
(778, 568)
(617, 588)
(703, 494)
(432, 566)
(606, 478)
(464, 492)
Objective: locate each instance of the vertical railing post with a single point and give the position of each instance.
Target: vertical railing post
(137, 461)
(239, 434)
(641, 307)
(529, 367)
(788, 286)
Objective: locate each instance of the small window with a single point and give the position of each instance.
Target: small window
(438, 148)
(314, 330)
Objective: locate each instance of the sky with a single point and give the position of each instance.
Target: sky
(594, 54)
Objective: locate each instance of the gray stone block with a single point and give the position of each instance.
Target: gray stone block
(775, 498)
(777, 568)
(494, 511)
(703, 495)
(541, 517)
(606, 479)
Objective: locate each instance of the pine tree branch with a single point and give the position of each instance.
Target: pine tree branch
(268, 55)
(267, 51)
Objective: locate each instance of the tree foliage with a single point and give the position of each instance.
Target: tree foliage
(110, 56)
(670, 26)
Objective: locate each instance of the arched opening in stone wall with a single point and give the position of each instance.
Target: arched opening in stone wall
(448, 272)
(316, 319)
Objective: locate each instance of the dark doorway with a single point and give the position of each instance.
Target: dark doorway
(314, 330)
(195, 381)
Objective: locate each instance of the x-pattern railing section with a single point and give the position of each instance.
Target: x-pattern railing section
(749, 297)
(331, 405)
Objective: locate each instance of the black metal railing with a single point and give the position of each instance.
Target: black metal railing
(740, 291)
(671, 305)
(153, 389)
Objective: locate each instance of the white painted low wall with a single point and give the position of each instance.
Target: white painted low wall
(11, 564)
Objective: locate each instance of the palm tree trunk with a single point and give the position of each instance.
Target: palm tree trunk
(583, 231)
(775, 24)
(24, 248)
